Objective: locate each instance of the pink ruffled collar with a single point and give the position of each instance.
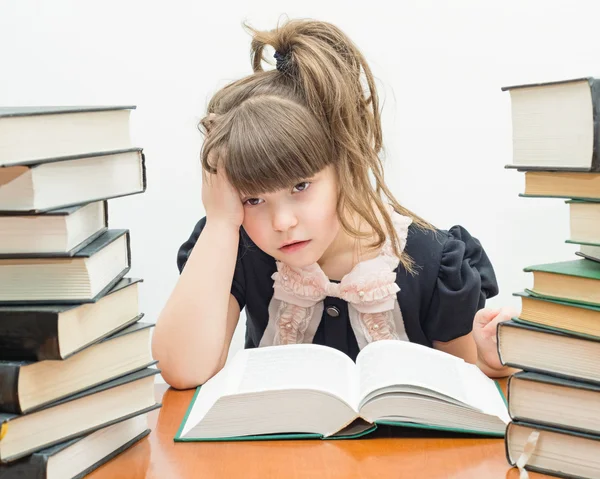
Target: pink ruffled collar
(370, 286)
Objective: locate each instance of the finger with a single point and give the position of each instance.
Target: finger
(490, 328)
(484, 316)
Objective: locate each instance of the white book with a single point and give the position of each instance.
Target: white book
(32, 134)
(308, 389)
(554, 125)
(66, 182)
(84, 277)
(61, 231)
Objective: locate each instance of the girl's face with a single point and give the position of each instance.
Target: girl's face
(306, 213)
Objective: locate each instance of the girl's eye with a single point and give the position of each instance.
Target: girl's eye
(257, 201)
(252, 201)
(304, 185)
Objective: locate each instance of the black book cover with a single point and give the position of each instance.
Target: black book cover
(10, 370)
(16, 111)
(102, 241)
(549, 429)
(30, 332)
(6, 418)
(594, 84)
(591, 258)
(80, 156)
(89, 250)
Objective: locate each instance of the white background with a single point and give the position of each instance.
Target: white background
(439, 68)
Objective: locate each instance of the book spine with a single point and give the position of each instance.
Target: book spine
(498, 343)
(105, 205)
(32, 467)
(29, 336)
(143, 164)
(508, 388)
(128, 240)
(9, 388)
(595, 90)
(506, 441)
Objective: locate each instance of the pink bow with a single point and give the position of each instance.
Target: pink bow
(370, 287)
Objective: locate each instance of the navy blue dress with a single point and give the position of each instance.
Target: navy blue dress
(453, 279)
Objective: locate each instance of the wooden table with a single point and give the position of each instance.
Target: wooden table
(406, 455)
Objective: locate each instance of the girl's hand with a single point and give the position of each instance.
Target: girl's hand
(221, 201)
(485, 325)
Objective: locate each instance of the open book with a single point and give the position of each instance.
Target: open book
(308, 390)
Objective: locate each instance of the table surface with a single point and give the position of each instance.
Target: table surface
(392, 453)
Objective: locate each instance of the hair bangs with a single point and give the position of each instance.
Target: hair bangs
(274, 144)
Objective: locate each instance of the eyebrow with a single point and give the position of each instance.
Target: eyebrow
(255, 195)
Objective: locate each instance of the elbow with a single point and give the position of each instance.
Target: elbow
(179, 378)
(180, 373)
(178, 381)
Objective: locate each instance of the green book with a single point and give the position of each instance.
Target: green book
(578, 268)
(576, 281)
(562, 184)
(545, 311)
(309, 391)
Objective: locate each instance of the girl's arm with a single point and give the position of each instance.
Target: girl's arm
(194, 330)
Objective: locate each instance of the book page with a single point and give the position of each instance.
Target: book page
(294, 366)
(289, 367)
(206, 398)
(391, 362)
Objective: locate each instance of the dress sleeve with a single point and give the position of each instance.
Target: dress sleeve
(465, 280)
(238, 285)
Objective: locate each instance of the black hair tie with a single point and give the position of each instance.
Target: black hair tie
(282, 60)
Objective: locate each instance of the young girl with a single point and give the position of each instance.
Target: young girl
(302, 231)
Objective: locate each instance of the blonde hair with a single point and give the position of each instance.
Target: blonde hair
(276, 128)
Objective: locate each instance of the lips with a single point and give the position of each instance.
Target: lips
(290, 248)
(290, 244)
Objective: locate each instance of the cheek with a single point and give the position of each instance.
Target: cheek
(323, 219)
(257, 230)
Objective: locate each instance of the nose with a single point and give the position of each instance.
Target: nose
(284, 219)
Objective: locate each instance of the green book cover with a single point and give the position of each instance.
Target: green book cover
(555, 329)
(585, 243)
(537, 297)
(291, 436)
(580, 268)
(541, 328)
(571, 302)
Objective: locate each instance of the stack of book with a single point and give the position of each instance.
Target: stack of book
(555, 401)
(76, 375)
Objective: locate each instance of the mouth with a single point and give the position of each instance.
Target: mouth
(290, 248)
